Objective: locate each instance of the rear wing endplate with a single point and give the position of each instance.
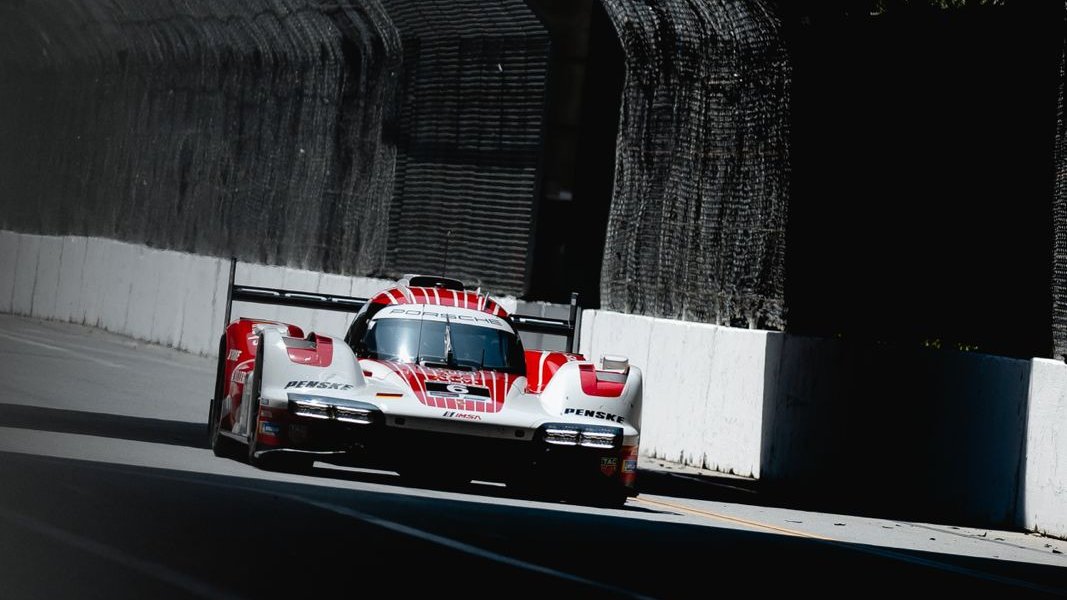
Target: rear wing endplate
(562, 327)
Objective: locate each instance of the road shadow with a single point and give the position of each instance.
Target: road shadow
(416, 540)
(193, 435)
(138, 429)
(353, 471)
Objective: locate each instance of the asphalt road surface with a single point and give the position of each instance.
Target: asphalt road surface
(107, 490)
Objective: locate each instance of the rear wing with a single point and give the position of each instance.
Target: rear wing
(263, 295)
(317, 301)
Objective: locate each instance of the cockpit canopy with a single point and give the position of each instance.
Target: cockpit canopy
(437, 336)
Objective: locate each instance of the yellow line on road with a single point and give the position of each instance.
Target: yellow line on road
(729, 519)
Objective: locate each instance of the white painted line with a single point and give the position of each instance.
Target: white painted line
(152, 569)
(84, 355)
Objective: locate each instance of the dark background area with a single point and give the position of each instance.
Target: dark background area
(584, 94)
(923, 175)
(877, 171)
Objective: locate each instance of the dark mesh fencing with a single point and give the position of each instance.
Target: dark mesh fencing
(271, 129)
(696, 229)
(244, 126)
(1059, 283)
(468, 139)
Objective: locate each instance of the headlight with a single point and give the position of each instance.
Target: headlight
(562, 436)
(351, 414)
(599, 438)
(318, 407)
(587, 436)
(309, 407)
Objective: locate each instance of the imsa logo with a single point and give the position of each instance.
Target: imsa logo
(451, 414)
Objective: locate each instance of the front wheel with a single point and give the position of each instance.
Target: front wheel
(572, 489)
(262, 461)
(603, 497)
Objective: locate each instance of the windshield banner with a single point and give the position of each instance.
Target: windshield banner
(462, 316)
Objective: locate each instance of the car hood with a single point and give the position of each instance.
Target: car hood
(481, 391)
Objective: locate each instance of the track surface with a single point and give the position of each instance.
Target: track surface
(107, 490)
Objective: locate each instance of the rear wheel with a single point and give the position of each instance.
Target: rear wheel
(220, 445)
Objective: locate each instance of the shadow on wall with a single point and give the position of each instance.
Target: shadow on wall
(916, 434)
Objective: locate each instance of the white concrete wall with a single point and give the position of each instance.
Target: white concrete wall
(25, 274)
(1043, 497)
(9, 251)
(905, 431)
(923, 434)
(161, 296)
(71, 279)
(703, 386)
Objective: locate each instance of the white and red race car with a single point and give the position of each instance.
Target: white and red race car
(432, 381)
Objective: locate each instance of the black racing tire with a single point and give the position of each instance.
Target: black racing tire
(599, 494)
(609, 498)
(221, 446)
(549, 486)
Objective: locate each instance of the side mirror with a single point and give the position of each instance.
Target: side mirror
(610, 362)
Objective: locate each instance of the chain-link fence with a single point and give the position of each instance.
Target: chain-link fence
(282, 131)
(1059, 283)
(468, 139)
(697, 224)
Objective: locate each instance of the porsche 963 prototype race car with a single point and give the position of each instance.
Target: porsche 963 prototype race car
(432, 381)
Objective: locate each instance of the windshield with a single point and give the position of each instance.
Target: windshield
(445, 344)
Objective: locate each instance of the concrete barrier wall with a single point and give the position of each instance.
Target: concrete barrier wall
(956, 437)
(703, 386)
(914, 433)
(1043, 497)
(170, 298)
(166, 297)
(9, 250)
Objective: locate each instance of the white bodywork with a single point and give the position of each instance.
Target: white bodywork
(343, 380)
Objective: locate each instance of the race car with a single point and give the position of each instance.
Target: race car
(432, 381)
